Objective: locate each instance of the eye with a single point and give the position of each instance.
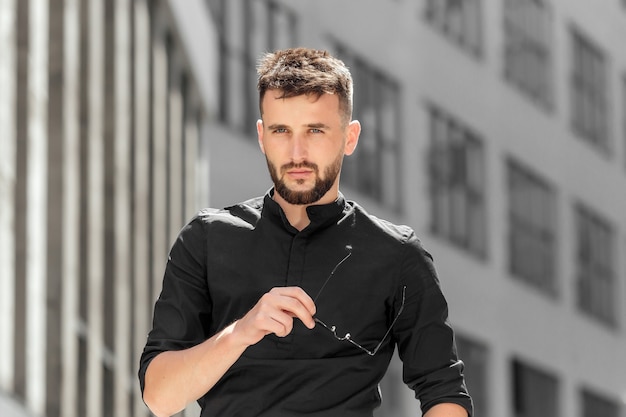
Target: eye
(280, 130)
(315, 130)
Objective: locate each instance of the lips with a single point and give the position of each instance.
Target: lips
(299, 173)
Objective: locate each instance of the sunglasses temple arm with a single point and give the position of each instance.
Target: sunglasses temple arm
(373, 352)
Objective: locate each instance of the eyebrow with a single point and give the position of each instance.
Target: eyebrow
(318, 126)
(309, 125)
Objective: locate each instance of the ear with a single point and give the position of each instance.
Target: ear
(259, 132)
(352, 137)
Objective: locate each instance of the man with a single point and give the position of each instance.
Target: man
(292, 304)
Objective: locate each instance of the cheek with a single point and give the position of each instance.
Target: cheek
(277, 159)
(274, 147)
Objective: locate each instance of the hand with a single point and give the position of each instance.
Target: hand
(274, 313)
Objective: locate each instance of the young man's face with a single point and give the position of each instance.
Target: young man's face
(304, 142)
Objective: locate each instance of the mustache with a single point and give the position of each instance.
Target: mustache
(303, 164)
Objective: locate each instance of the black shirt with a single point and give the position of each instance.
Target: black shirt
(224, 260)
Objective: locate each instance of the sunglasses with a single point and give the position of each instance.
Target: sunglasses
(347, 337)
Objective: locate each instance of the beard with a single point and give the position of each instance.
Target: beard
(320, 188)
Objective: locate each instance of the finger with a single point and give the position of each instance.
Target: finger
(298, 304)
(277, 321)
(266, 318)
(282, 324)
(300, 295)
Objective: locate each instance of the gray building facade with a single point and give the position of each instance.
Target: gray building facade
(497, 130)
(103, 106)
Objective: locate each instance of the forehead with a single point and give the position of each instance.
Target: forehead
(306, 105)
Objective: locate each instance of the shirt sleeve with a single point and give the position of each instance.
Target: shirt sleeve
(183, 310)
(424, 336)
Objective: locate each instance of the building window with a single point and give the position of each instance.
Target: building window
(532, 229)
(597, 405)
(247, 29)
(535, 392)
(375, 168)
(595, 266)
(457, 183)
(527, 48)
(459, 20)
(590, 106)
(475, 356)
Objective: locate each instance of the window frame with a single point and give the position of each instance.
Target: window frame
(475, 356)
(527, 50)
(596, 268)
(535, 391)
(457, 179)
(465, 30)
(240, 48)
(376, 168)
(535, 224)
(589, 92)
(590, 399)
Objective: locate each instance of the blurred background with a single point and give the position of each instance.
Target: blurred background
(495, 128)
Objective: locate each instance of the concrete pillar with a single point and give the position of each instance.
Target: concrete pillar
(71, 208)
(159, 155)
(141, 225)
(36, 206)
(175, 197)
(95, 207)
(7, 190)
(54, 209)
(191, 161)
(123, 203)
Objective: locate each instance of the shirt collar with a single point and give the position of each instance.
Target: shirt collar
(320, 215)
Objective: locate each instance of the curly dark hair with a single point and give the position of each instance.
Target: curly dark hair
(298, 71)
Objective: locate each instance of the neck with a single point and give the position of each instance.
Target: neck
(297, 214)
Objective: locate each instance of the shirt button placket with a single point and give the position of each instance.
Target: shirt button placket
(296, 261)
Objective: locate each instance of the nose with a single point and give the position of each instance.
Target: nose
(299, 148)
